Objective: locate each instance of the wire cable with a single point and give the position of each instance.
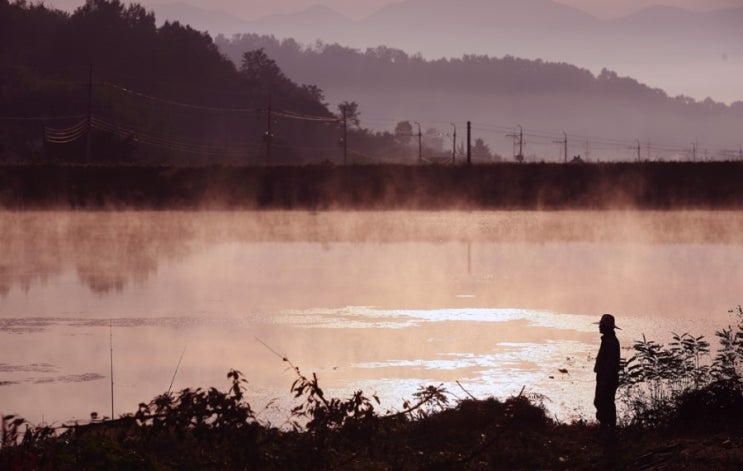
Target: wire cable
(178, 103)
(41, 118)
(303, 117)
(144, 137)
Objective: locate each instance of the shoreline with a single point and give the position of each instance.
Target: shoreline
(534, 186)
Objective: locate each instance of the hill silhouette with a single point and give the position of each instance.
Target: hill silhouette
(609, 111)
(167, 94)
(147, 93)
(684, 52)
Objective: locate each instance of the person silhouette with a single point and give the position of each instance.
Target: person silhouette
(607, 375)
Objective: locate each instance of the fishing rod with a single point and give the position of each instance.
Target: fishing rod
(111, 344)
(176, 370)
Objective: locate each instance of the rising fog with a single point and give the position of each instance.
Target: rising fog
(380, 301)
(394, 259)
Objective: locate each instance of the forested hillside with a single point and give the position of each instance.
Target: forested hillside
(695, 53)
(388, 68)
(105, 84)
(145, 93)
(605, 116)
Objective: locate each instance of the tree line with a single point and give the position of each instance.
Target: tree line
(170, 83)
(383, 68)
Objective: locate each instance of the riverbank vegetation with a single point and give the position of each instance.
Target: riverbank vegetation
(150, 92)
(679, 185)
(682, 411)
(143, 94)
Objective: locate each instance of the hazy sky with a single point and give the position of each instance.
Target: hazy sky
(359, 8)
(674, 80)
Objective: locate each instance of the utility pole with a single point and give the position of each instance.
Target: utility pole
(639, 157)
(268, 136)
(111, 345)
(520, 157)
(469, 142)
(420, 142)
(564, 142)
(345, 136)
(694, 151)
(520, 136)
(88, 140)
(454, 144)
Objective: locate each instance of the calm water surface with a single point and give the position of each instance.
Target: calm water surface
(384, 302)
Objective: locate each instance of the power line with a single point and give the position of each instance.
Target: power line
(42, 118)
(178, 103)
(536, 137)
(144, 137)
(66, 135)
(303, 117)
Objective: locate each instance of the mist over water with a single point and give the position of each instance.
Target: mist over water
(379, 301)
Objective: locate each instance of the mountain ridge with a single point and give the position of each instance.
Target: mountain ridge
(390, 85)
(669, 56)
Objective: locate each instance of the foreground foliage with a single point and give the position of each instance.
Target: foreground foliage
(212, 429)
(666, 185)
(680, 382)
(200, 430)
(684, 414)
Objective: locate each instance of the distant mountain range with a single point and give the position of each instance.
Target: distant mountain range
(694, 53)
(497, 94)
(673, 51)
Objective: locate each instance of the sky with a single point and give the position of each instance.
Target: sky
(682, 78)
(359, 8)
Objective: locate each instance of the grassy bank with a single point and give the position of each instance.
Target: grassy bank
(502, 186)
(682, 413)
(197, 429)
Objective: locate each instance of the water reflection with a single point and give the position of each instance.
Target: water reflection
(380, 301)
(111, 249)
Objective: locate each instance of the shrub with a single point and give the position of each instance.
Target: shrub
(660, 384)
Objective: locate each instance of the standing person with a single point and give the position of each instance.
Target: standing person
(607, 375)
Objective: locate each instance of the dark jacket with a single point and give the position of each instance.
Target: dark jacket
(607, 361)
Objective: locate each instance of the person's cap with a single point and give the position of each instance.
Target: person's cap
(607, 320)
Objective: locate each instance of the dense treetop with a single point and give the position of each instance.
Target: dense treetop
(383, 67)
(123, 44)
(48, 58)
(169, 94)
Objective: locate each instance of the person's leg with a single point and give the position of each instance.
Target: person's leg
(606, 411)
(611, 408)
(601, 400)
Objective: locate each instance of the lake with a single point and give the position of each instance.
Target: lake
(484, 303)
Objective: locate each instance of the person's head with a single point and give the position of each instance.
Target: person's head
(606, 324)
